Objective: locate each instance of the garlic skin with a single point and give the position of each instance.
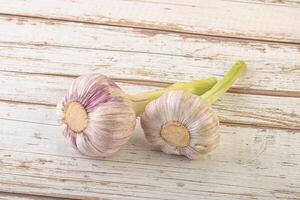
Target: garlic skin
(181, 123)
(96, 115)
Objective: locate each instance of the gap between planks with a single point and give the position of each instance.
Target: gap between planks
(286, 3)
(28, 196)
(235, 90)
(154, 29)
(7, 44)
(224, 122)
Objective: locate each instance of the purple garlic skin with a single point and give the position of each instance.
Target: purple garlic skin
(96, 115)
(181, 123)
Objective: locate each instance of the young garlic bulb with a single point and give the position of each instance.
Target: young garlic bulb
(182, 123)
(98, 117)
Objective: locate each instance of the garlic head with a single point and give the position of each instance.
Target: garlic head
(181, 123)
(97, 116)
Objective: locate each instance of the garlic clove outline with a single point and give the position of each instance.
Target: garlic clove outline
(182, 123)
(98, 118)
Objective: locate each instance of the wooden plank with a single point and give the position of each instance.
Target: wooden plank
(162, 69)
(14, 196)
(222, 18)
(289, 3)
(250, 163)
(257, 111)
(254, 110)
(146, 55)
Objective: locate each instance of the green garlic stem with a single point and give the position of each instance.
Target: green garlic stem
(197, 87)
(224, 84)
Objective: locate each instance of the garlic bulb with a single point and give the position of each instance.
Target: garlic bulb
(182, 123)
(98, 117)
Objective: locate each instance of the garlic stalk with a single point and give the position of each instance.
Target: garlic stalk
(183, 123)
(98, 117)
(197, 87)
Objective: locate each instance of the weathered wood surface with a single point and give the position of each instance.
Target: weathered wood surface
(250, 163)
(146, 54)
(144, 45)
(241, 109)
(10, 196)
(42, 164)
(222, 18)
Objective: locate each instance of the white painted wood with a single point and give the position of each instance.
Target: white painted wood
(254, 110)
(291, 3)
(15, 196)
(146, 55)
(288, 3)
(244, 20)
(259, 154)
(250, 163)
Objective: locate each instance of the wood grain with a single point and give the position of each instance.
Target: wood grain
(240, 109)
(291, 3)
(243, 20)
(15, 196)
(287, 3)
(43, 164)
(144, 45)
(147, 55)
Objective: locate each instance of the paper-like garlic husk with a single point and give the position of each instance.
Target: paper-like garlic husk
(188, 117)
(97, 116)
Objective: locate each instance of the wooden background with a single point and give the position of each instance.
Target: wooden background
(147, 44)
